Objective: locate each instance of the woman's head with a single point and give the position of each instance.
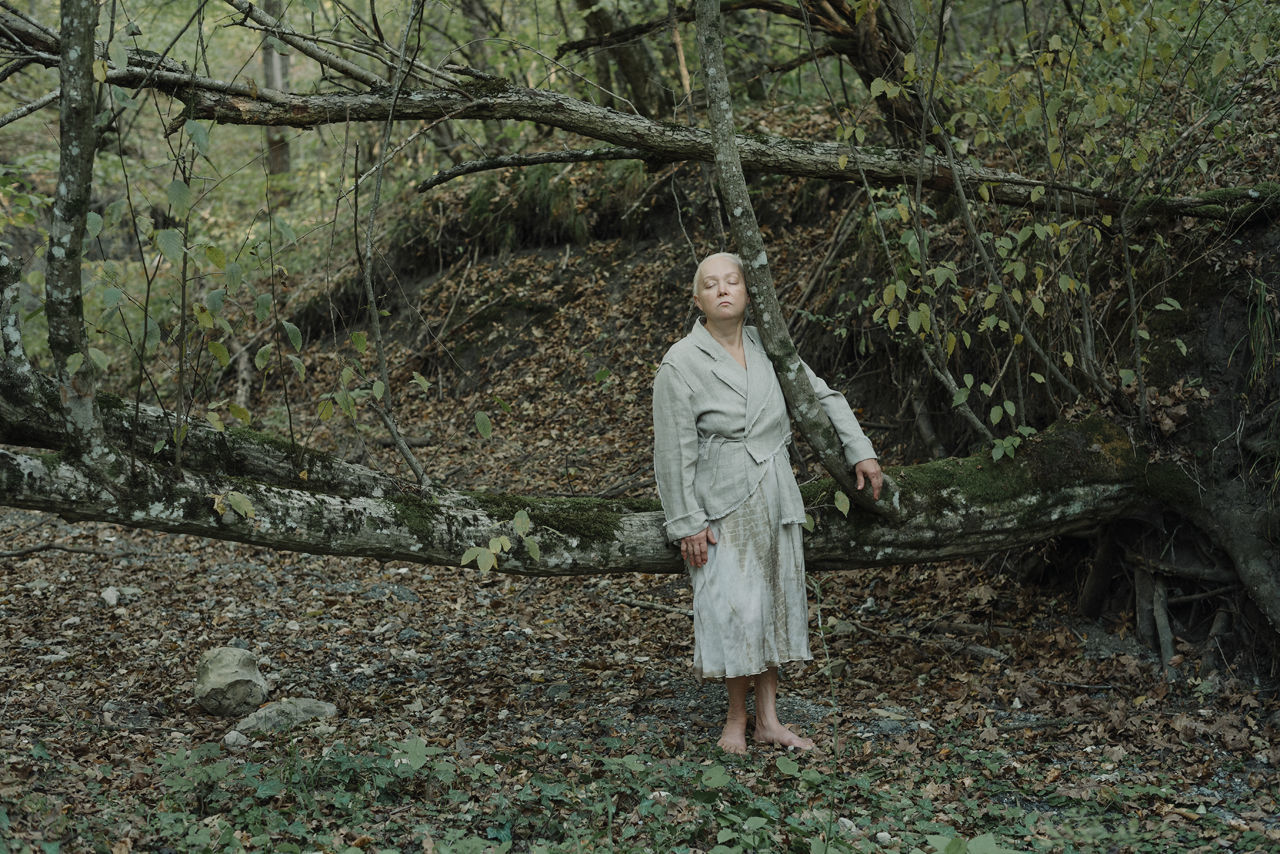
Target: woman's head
(720, 289)
(716, 260)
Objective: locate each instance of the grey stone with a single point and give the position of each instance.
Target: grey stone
(228, 682)
(285, 714)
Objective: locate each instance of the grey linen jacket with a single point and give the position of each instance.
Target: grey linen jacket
(716, 428)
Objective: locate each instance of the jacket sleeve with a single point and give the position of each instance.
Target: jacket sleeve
(857, 447)
(675, 453)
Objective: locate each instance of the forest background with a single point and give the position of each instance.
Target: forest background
(389, 283)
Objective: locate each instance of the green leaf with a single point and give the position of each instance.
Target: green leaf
(170, 242)
(235, 277)
(345, 402)
(360, 340)
(483, 425)
(263, 357)
(180, 198)
(203, 318)
(986, 844)
(471, 554)
(787, 766)
(715, 777)
(216, 256)
(119, 54)
(241, 504)
(961, 396)
(100, 360)
(199, 134)
(295, 335)
(261, 307)
(487, 560)
(215, 420)
(522, 523)
(74, 361)
(92, 224)
(324, 411)
(842, 503)
(219, 352)
(996, 414)
(535, 551)
(1010, 408)
(241, 414)
(111, 297)
(809, 523)
(299, 366)
(379, 389)
(602, 375)
(421, 382)
(1037, 377)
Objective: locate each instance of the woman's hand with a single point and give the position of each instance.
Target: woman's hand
(869, 470)
(694, 547)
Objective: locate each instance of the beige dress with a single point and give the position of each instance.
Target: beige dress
(720, 457)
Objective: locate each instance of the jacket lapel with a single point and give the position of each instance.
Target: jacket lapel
(723, 366)
(761, 382)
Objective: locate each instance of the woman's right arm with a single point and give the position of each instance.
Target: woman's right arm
(675, 454)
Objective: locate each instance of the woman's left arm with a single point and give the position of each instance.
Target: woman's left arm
(858, 451)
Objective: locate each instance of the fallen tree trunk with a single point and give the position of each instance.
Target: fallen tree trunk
(256, 489)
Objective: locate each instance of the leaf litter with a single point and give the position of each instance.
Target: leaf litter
(543, 704)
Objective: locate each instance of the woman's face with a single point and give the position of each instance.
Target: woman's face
(721, 292)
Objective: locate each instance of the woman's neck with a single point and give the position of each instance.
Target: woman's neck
(728, 333)
(729, 336)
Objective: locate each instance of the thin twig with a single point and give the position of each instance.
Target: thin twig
(653, 606)
(588, 155)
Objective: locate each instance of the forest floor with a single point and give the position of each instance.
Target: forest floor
(956, 707)
(482, 711)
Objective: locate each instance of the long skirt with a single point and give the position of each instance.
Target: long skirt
(750, 610)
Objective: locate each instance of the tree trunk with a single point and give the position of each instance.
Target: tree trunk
(275, 75)
(634, 63)
(948, 509)
(64, 305)
(802, 401)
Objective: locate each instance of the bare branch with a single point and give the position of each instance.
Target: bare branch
(589, 155)
(305, 46)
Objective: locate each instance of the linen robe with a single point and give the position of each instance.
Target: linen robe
(720, 460)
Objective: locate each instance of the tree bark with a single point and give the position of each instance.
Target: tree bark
(64, 305)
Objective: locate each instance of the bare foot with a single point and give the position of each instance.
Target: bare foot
(734, 737)
(782, 737)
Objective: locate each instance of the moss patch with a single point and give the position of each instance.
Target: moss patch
(417, 514)
(592, 520)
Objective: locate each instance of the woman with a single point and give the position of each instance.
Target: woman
(721, 432)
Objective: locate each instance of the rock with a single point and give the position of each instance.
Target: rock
(228, 682)
(111, 596)
(235, 740)
(285, 714)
